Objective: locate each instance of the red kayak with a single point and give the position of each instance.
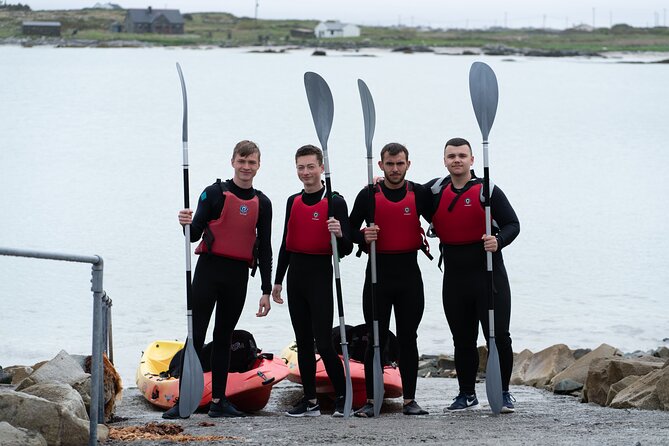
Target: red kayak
(392, 381)
(249, 391)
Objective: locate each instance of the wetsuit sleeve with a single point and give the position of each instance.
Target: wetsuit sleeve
(424, 201)
(505, 217)
(209, 207)
(359, 216)
(284, 256)
(344, 243)
(264, 228)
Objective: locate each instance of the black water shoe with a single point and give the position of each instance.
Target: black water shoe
(413, 409)
(224, 408)
(366, 411)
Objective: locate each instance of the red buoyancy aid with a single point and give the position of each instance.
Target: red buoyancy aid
(307, 231)
(234, 232)
(399, 222)
(465, 222)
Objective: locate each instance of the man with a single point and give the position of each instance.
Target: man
(233, 219)
(459, 222)
(398, 203)
(306, 253)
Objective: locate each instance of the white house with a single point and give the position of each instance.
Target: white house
(334, 28)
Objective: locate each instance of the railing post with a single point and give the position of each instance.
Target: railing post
(97, 381)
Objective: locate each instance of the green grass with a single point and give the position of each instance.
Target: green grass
(227, 30)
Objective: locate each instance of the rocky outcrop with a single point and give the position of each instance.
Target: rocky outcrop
(544, 365)
(604, 372)
(642, 393)
(62, 394)
(62, 368)
(520, 363)
(578, 371)
(13, 436)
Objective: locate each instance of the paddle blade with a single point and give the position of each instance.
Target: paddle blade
(493, 379)
(484, 94)
(348, 400)
(368, 114)
(184, 132)
(378, 381)
(321, 105)
(191, 384)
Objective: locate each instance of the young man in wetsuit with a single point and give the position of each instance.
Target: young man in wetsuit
(306, 253)
(234, 221)
(398, 234)
(459, 222)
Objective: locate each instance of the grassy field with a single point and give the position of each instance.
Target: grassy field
(224, 29)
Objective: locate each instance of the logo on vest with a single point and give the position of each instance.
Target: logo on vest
(407, 211)
(243, 209)
(468, 201)
(315, 216)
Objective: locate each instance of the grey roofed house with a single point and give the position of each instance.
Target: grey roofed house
(149, 20)
(29, 28)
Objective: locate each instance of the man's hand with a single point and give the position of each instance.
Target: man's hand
(490, 243)
(185, 217)
(371, 233)
(264, 306)
(276, 293)
(334, 227)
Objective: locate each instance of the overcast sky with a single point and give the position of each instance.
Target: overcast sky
(437, 13)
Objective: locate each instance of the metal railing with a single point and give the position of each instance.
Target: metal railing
(101, 327)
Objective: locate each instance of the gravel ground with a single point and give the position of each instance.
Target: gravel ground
(540, 418)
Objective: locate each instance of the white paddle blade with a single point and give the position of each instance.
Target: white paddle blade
(484, 94)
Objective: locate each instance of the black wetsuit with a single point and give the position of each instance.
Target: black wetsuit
(310, 298)
(466, 297)
(399, 285)
(222, 281)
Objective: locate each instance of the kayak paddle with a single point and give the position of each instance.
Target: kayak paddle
(369, 116)
(191, 382)
(484, 94)
(322, 112)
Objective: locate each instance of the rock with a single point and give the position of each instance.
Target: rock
(56, 424)
(581, 352)
(62, 394)
(5, 377)
(618, 386)
(663, 388)
(662, 352)
(544, 365)
(520, 363)
(567, 386)
(641, 394)
(62, 368)
(19, 372)
(12, 436)
(578, 371)
(483, 359)
(446, 362)
(604, 372)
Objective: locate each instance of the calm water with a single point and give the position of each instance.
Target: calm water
(90, 150)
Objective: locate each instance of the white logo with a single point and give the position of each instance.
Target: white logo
(243, 209)
(407, 211)
(468, 202)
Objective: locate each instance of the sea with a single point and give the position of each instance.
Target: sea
(91, 163)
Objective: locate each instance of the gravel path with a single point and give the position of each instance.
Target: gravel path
(541, 418)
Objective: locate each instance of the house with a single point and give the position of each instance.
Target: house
(106, 6)
(159, 21)
(41, 29)
(301, 33)
(334, 28)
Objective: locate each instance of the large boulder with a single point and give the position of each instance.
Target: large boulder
(60, 393)
(62, 368)
(663, 387)
(520, 363)
(58, 425)
(19, 372)
(642, 393)
(618, 386)
(547, 363)
(604, 372)
(12, 436)
(578, 371)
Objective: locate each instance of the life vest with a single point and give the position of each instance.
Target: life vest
(307, 230)
(399, 222)
(233, 234)
(460, 217)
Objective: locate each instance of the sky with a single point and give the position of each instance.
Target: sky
(557, 14)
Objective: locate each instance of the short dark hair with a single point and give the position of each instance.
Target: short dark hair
(245, 148)
(394, 148)
(457, 142)
(309, 149)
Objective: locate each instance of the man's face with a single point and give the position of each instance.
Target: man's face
(394, 167)
(246, 167)
(458, 160)
(309, 171)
